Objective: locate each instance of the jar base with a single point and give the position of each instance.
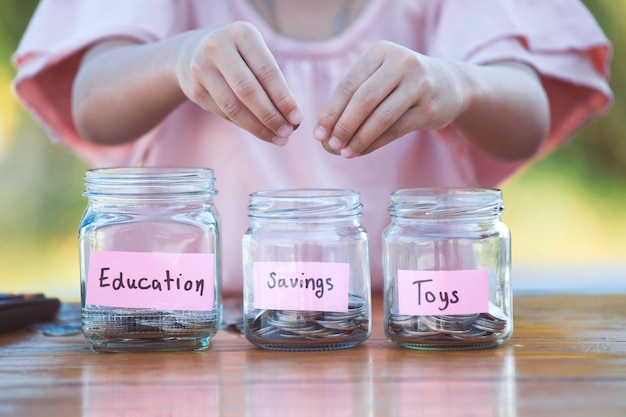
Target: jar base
(304, 347)
(448, 332)
(150, 344)
(338, 341)
(110, 329)
(439, 346)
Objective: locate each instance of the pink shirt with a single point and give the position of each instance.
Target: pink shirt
(559, 38)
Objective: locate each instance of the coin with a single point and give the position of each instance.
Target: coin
(329, 149)
(465, 328)
(308, 325)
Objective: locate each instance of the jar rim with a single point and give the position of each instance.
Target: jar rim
(151, 171)
(291, 193)
(446, 191)
(446, 202)
(149, 181)
(300, 203)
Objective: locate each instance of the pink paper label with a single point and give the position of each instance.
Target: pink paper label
(164, 281)
(307, 286)
(426, 293)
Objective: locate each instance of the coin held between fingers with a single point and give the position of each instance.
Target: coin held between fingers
(329, 149)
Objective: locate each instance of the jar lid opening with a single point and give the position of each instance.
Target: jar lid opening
(142, 181)
(304, 203)
(437, 203)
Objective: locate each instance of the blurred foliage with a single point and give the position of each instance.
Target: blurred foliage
(598, 153)
(39, 189)
(14, 16)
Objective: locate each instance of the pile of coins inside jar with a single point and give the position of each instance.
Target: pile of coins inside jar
(469, 328)
(149, 322)
(303, 326)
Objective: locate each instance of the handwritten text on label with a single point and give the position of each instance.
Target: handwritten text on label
(308, 286)
(443, 292)
(169, 281)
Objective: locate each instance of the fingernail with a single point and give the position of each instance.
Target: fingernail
(319, 133)
(280, 141)
(295, 117)
(347, 152)
(285, 131)
(334, 143)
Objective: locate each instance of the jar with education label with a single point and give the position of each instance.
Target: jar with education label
(306, 270)
(446, 262)
(149, 253)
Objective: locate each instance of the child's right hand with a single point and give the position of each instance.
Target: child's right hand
(230, 71)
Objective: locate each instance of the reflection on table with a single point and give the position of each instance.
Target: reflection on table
(567, 358)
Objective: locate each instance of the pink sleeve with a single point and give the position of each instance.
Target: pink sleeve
(51, 49)
(559, 38)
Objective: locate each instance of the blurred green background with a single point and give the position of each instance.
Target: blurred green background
(566, 212)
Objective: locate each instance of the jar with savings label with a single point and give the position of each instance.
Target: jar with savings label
(149, 254)
(446, 262)
(306, 270)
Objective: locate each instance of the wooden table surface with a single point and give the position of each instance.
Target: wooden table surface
(567, 358)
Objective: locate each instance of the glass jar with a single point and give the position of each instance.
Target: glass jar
(446, 266)
(306, 270)
(149, 255)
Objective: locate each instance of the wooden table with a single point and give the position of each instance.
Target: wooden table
(567, 358)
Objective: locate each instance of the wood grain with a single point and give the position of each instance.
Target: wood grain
(567, 358)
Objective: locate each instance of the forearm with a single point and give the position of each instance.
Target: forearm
(507, 114)
(501, 109)
(123, 89)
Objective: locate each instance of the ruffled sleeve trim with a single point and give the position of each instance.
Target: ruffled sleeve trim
(49, 55)
(559, 39)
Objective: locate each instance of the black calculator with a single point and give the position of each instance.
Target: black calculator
(21, 310)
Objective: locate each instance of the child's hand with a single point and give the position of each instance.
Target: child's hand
(389, 92)
(231, 72)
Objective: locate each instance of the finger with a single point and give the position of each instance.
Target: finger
(251, 95)
(398, 129)
(341, 96)
(337, 104)
(354, 99)
(376, 105)
(385, 115)
(221, 100)
(267, 72)
(253, 74)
